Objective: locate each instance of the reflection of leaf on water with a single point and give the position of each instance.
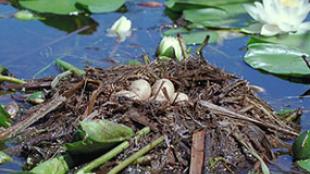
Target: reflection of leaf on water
(71, 23)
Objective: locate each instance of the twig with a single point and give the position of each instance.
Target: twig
(205, 42)
(111, 154)
(198, 152)
(136, 155)
(92, 100)
(182, 45)
(11, 79)
(228, 113)
(59, 77)
(40, 113)
(304, 57)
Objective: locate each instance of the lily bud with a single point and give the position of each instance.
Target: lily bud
(121, 28)
(170, 47)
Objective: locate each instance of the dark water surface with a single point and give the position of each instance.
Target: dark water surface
(28, 46)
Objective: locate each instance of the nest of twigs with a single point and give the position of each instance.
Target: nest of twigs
(237, 126)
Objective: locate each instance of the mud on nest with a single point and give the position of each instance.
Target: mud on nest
(235, 120)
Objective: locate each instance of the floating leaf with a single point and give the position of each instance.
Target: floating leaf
(301, 146)
(36, 97)
(4, 118)
(101, 6)
(105, 131)
(56, 165)
(63, 7)
(99, 135)
(298, 41)
(193, 37)
(305, 164)
(4, 158)
(277, 59)
(213, 13)
(25, 15)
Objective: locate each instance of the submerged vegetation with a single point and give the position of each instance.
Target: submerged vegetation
(174, 113)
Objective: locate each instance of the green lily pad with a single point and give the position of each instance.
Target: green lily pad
(301, 42)
(277, 59)
(63, 7)
(193, 37)
(213, 13)
(304, 164)
(99, 135)
(101, 6)
(301, 146)
(56, 165)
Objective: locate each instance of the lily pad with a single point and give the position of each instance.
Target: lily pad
(277, 59)
(301, 42)
(63, 7)
(193, 37)
(56, 165)
(301, 146)
(213, 13)
(305, 164)
(105, 131)
(101, 6)
(99, 135)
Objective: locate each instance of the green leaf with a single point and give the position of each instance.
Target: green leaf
(56, 165)
(301, 42)
(5, 120)
(101, 6)
(213, 13)
(99, 135)
(36, 97)
(63, 7)
(305, 164)
(301, 146)
(67, 66)
(4, 158)
(105, 131)
(277, 59)
(193, 37)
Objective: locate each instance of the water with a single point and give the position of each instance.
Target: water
(28, 46)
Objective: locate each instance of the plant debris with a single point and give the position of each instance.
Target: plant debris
(235, 123)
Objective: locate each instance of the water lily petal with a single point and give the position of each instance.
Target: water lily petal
(253, 11)
(270, 30)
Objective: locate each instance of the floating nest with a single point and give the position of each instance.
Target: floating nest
(236, 127)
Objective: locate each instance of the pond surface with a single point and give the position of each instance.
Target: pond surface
(26, 47)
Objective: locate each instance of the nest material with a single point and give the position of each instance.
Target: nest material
(237, 123)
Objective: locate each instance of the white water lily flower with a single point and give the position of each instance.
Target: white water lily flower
(280, 16)
(170, 47)
(121, 28)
